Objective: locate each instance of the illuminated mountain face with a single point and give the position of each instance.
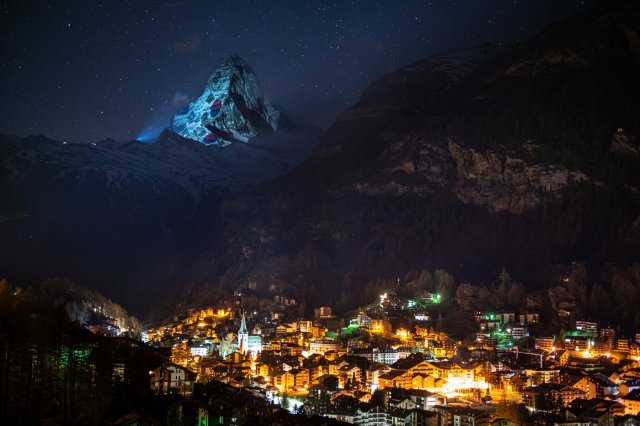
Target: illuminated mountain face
(231, 108)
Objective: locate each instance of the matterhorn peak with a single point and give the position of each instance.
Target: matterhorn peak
(231, 107)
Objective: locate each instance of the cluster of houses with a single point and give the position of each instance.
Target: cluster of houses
(389, 365)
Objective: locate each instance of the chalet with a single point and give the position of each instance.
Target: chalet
(604, 385)
(629, 386)
(599, 405)
(542, 375)
(170, 378)
(393, 379)
(541, 397)
(424, 399)
(631, 403)
(596, 386)
(374, 373)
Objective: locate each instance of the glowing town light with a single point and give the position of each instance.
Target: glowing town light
(460, 385)
(402, 334)
(383, 297)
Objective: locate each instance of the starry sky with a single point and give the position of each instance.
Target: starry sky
(86, 70)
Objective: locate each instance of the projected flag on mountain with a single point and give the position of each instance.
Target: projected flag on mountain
(215, 108)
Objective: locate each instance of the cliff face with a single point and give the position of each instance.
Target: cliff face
(504, 183)
(495, 180)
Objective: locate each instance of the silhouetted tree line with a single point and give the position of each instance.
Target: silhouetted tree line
(53, 370)
(613, 298)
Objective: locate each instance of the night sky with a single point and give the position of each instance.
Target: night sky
(86, 70)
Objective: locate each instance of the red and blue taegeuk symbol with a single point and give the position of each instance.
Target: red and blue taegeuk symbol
(216, 106)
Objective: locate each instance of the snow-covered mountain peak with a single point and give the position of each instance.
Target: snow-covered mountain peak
(230, 108)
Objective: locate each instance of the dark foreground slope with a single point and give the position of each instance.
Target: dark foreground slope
(526, 161)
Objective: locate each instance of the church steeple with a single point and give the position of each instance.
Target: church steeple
(243, 326)
(243, 336)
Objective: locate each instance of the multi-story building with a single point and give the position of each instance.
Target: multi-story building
(487, 325)
(588, 328)
(566, 395)
(323, 312)
(300, 378)
(601, 346)
(372, 416)
(172, 377)
(631, 403)
(284, 381)
(461, 416)
(587, 386)
(574, 343)
(323, 346)
(607, 333)
(305, 326)
(426, 400)
(200, 350)
(319, 399)
(363, 320)
(506, 317)
(517, 331)
(622, 344)
(542, 375)
(383, 356)
(318, 331)
(545, 343)
(529, 318)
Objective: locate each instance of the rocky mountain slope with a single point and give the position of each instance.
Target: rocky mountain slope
(526, 160)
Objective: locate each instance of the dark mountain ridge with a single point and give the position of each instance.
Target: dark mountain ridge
(526, 161)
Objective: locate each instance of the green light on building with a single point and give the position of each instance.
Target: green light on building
(203, 418)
